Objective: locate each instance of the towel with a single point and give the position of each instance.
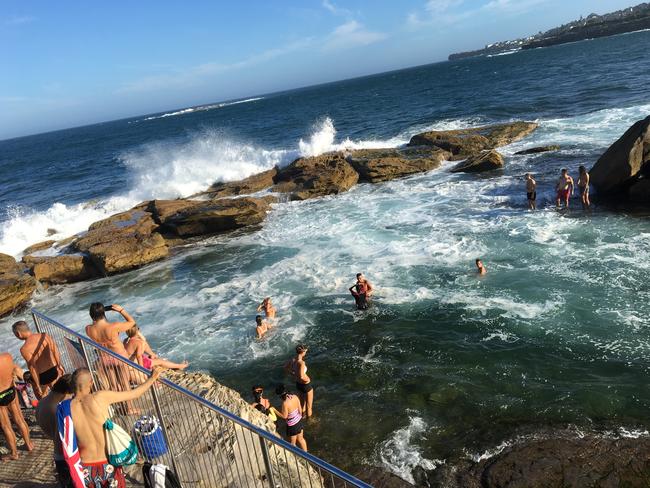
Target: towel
(69, 443)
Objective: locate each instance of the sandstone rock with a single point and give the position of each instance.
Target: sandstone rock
(486, 161)
(375, 165)
(538, 149)
(65, 268)
(466, 142)
(40, 246)
(246, 186)
(163, 209)
(316, 176)
(122, 242)
(205, 218)
(16, 287)
(620, 165)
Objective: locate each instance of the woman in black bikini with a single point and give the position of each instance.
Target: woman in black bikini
(298, 369)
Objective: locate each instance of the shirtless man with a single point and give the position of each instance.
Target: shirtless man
(261, 326)
(9, 406)
(267, 306)
(361, 291)
(564, 188)
(46, 419)
(42, 358)
(480, 268)
(583, 186)
(112, 371)
(89, 411)
(531, 191)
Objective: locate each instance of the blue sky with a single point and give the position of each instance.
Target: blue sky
(72, 63)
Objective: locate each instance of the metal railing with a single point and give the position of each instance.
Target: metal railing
(204, 444)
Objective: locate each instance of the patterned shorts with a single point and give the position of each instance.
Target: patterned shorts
(103, 475)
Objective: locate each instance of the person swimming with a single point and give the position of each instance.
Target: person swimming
(267, 306)
(480, 268)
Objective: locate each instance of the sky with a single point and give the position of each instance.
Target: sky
(72, 63)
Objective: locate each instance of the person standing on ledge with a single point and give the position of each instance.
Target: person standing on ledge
(297, 368)
(88, 412)
(42, 358)
(564, 188)
(531, 191)
(291, 412)
(9, 406)
(480, 268)
(46, 419)
(583, 186)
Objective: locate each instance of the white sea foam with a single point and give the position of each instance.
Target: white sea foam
(202, 108)
(400, 454)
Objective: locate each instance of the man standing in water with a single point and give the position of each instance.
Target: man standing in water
(9, 406)
(88, 412)
(42, 358)
(564, 188)
(531, 191)
(583, 186)
(361, 291)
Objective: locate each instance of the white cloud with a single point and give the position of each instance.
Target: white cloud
(334, 9)
(19, 19)
(351, 34)
(511, 6)
(437, 6)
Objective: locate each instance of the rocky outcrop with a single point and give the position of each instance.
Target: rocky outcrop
(16, 287)
(317, 176)
(376, 165)
(122, 242)
(486, 161)
(39, 246)
(561, 459)
(65, 268)
(252, 184)
(619, 168)
(538, 149)
(468, 142)
(205, 218)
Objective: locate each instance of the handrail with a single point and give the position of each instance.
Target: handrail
(344, 476)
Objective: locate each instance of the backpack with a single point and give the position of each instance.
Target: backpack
(153, 477)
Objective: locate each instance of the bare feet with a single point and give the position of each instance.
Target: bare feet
(29, 446)
(184, 365)
(10, 457)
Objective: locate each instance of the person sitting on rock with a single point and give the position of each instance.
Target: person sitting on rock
(261, 326)
(139, 351)
(263, 404)
(42, 358)
(480, 268)
(564, 188)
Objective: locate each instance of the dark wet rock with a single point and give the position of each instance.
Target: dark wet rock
(252, 184)
(563, 460)
(375, 165)
(486, 161)
(380, 478)
(624, 162)
(538, 149)
(639, 192)
(65, 268)
(39, 246)
(123, 242)
(327, 174)
(215, 216)
(467, 142)
(16, 287)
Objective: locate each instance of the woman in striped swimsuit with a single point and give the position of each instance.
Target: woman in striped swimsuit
(291, 411)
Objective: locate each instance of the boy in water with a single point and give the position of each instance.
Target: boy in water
(564, 188)
(531, 191)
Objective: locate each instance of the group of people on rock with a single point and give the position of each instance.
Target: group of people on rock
(564, 188)
(86, 410)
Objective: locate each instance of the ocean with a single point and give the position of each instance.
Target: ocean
(444, 364)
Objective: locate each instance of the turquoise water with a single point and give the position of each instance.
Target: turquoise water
(445, 363)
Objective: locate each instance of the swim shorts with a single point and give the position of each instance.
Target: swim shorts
(531, 195)
(294, 429)
(304, 387)
(7, 396)
(563, 194)
(47, 377)
(103, 475)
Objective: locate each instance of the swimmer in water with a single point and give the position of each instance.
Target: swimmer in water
(267, 306)
(261, 326)
(480, 268)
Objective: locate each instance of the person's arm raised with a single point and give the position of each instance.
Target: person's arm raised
(109, 397)
(123, 326)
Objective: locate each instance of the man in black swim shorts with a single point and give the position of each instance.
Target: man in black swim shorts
(9, 407)
(531, 191)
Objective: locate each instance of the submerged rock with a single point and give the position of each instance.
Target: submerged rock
(554, 459)
(467, 142)
(538, 149)
(624, 162)
(327, 174)
(205, 218)
(486, 161)
(123, 242)
(16, 287)
(375, 165)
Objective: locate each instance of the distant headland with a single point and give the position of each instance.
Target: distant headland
(626, 20)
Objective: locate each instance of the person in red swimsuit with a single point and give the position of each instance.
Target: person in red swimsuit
(564, 188)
